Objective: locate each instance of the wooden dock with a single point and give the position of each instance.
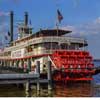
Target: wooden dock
(28, 79)
(17, 78)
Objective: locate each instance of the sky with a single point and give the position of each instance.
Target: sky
(80, 16)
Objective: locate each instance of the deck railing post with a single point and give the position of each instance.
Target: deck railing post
(22, 63)
(29, 64)
(38, 72)
(12, 63)
(49, 73)
(17, 63)
(1, 63)
(4, 63)
(8, 63)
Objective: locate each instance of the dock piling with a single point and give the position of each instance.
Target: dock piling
(28, 86)
(28, 89)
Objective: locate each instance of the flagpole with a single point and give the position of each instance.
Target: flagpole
(57, 27)
(58, 21)
(59, 18)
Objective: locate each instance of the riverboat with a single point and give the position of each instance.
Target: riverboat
(69, 58)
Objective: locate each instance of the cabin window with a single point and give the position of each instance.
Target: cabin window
(63, 46)
(29, 48)
(50, 46)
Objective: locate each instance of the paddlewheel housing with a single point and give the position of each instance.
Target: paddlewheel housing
(72, 65)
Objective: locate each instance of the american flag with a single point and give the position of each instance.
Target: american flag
(60, 17)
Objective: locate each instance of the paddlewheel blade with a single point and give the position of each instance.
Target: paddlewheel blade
(73, 65)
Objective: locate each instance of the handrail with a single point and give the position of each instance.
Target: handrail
(45, 39)
(52, 62)
(36, 53)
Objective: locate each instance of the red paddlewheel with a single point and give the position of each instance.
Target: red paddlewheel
(80, 79)
(74, 64)
(65, 77)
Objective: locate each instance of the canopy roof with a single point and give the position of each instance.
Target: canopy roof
(52, 32)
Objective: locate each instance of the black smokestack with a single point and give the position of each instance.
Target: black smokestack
(11, 26)
(26, 18)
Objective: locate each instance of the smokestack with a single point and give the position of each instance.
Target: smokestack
(26, 18)
(11, 26)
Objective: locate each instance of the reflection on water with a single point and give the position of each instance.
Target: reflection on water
(80, 89)
(11, 91)
(97, 91)
(74, 90)
(65, 90)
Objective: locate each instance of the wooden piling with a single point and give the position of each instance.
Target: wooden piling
(28, 86)
(28, 89)
(49, 73)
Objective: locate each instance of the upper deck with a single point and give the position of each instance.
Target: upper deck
(43, 33)
(44, 42)
(38, 40)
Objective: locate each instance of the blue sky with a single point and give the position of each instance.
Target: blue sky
(80, 16)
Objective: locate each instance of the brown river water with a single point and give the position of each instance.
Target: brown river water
(80, 89)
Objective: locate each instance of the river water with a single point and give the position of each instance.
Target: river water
(79, 89)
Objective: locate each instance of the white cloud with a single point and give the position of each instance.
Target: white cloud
(4, 13)
(97, 20)
(3, 28)
(85, 29)
(69, 27)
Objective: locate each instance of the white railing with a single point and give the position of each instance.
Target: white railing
(46, 39)
(34, 53)
(52, 62)
(39, 52)
(5, 57)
